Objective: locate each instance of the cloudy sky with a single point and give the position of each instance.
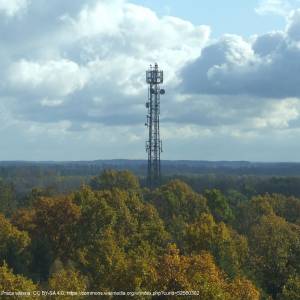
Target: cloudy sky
(73, 78)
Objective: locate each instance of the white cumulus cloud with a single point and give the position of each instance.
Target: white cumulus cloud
(60, 77)
(13, 7)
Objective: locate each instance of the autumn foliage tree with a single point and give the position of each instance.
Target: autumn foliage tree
(200, 273)
(51, 224)
(228, 247)
(67, 280)
(13, 245)
(14, 283)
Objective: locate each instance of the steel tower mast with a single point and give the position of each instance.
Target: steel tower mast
(154, 77)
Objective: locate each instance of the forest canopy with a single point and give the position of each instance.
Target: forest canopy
(114, 234)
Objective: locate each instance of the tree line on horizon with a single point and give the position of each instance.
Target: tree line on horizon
(113, 234)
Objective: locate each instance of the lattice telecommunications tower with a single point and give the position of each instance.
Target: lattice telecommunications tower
(154, 77)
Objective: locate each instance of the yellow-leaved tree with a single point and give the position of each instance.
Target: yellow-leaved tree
(10, 282)
(200, 273)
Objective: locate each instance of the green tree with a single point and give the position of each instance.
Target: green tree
(251, 212)
(228, 247)
(132, 219)
(291, 289)
(105, 262)
(110, 179)
(177, 205)
(117, 229)
(142, 274)
(275, 252)
(219, 206)
(286, 207)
